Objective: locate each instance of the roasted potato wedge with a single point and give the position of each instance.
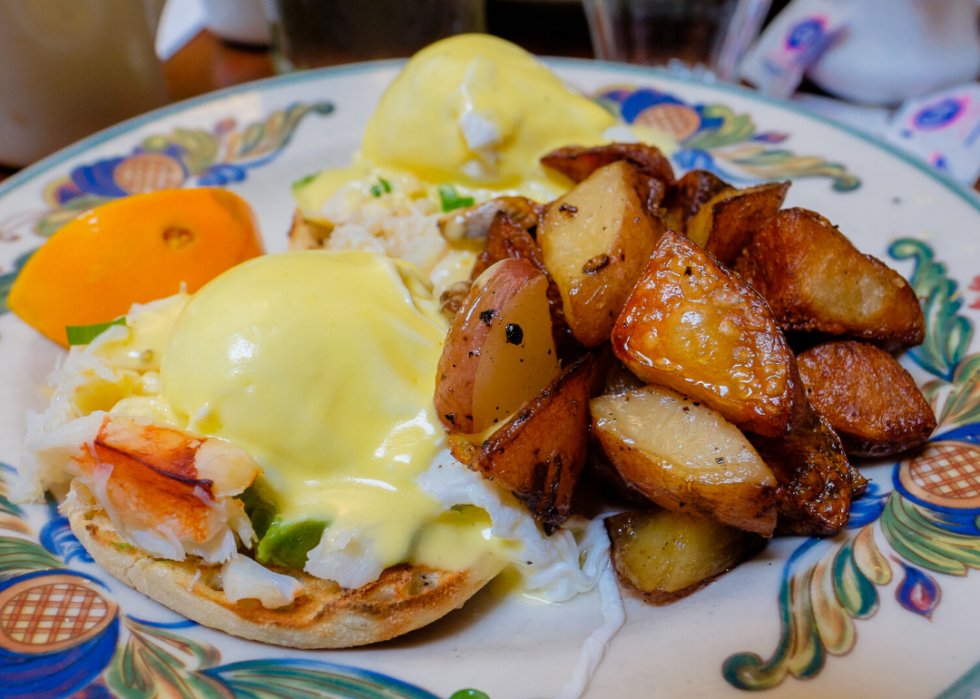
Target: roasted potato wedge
(815, 480)
(666, 555)
(694, 326)
(540, 453)
(499, 351)
(578, 163)
(684, 197)
(869, 399)
(596, 240)
(727, 222)
(815, 279)
(686, 457)
(508, 239)
(473, 223)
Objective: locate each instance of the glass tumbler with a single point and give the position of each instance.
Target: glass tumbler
(659, 32)
(312, 33)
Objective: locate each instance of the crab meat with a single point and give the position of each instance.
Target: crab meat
(166, 490)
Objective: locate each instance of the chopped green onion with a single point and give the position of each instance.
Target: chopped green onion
(303, 181)
(451, 199)
(84, 334)
(382, 186)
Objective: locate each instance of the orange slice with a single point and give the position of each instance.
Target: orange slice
(132, 250)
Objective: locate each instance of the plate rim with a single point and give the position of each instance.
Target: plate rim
(965, 193)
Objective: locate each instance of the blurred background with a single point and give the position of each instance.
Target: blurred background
(71, 67)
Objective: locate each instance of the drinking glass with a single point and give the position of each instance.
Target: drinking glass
(312, 33)
(659, 32)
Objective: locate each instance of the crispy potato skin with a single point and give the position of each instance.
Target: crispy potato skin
(540, 453)
(595, 241)
(726, 223)
(508, 239)
(694, 326)
(869, 399)
(577, 163)
(815, 480)
(665, 556)
(814, 279)
(474, 223)
(469, 370)
(684, 197)
(685, 457)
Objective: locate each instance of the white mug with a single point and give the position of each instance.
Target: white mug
(894, 50)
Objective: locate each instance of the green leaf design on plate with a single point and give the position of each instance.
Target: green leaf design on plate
(818, 603)
(948, 334)
(7, 280)
(962, 404)
(734, 128)
(155, 662)
(19, 556)
(915, 533)
(49, 224)
(11, 516)
(299, 679)
(200, 148)
(781, 164)
(275, 133)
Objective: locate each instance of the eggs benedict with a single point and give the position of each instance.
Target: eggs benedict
(273, 438)
(466, 121)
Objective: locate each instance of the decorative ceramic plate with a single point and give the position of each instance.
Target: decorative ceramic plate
(887, 608)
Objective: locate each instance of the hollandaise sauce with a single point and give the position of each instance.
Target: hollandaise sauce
(473, 111)
(322, 366)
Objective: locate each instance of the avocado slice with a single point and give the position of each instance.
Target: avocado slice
(288, 543)
(262, 504)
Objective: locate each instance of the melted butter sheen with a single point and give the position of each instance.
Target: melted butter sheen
(149, 327)
(480, 111)
(322, 365)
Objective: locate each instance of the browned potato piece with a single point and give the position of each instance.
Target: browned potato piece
(685, 197)
(694, 326)
(540, 453)
(308, 233)
(578, 163)
(499, 351)
(686, 457)
(728, 221)
(816, 481)
(596, 240)
(815, 279)
(474, 223)
(508, 239)
(869, 399)
(666, 555)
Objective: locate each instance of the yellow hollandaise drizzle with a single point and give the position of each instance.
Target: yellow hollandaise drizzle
(322, 366)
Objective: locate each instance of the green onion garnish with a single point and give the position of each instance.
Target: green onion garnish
(382, 186)
(303, 181)
(84, 334)
(451, 199)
